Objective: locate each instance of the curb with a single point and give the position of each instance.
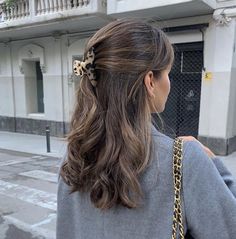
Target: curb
(23, 153)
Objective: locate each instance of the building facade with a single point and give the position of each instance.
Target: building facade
(39, 39)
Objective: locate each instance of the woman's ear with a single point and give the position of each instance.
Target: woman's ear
(149, 83)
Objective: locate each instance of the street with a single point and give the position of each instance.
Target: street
(27, 196)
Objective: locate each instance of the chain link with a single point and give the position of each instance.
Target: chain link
(177, 176)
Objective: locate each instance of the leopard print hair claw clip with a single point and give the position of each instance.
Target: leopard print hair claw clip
(86, 67)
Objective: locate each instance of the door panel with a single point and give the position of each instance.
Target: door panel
(181, 115)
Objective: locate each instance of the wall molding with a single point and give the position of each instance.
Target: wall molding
(33, 126)
(32, 52)
(220, 146)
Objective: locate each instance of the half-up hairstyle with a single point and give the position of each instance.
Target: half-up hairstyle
(109, 145)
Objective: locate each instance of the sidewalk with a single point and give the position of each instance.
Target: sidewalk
(36, 144)
(33, 144)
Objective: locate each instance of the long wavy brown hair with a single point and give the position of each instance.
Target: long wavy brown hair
(109, 145)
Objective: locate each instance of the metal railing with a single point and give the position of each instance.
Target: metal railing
(19, 10)
(50, 6)
(29, 8)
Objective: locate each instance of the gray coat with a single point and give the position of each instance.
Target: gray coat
(209, 201)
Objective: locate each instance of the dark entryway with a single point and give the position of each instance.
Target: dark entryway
(40, 96)
(181, 115)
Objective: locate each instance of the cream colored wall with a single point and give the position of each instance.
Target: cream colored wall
(116, 6)
(52, 80)
(6, 89)
(185, 37)
(59, 89)
(6, 99)
(231, 125)
(215, 93)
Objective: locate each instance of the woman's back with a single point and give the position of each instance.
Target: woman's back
(208, 197)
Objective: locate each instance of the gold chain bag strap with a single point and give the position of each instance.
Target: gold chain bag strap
(177, 176)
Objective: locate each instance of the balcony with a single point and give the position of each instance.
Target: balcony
(160, 9)
(50, 15)
(225, 3)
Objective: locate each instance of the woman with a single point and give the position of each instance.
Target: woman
(116, 177)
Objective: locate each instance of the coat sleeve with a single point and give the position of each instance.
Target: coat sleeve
(209, 192)
(229, 180)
